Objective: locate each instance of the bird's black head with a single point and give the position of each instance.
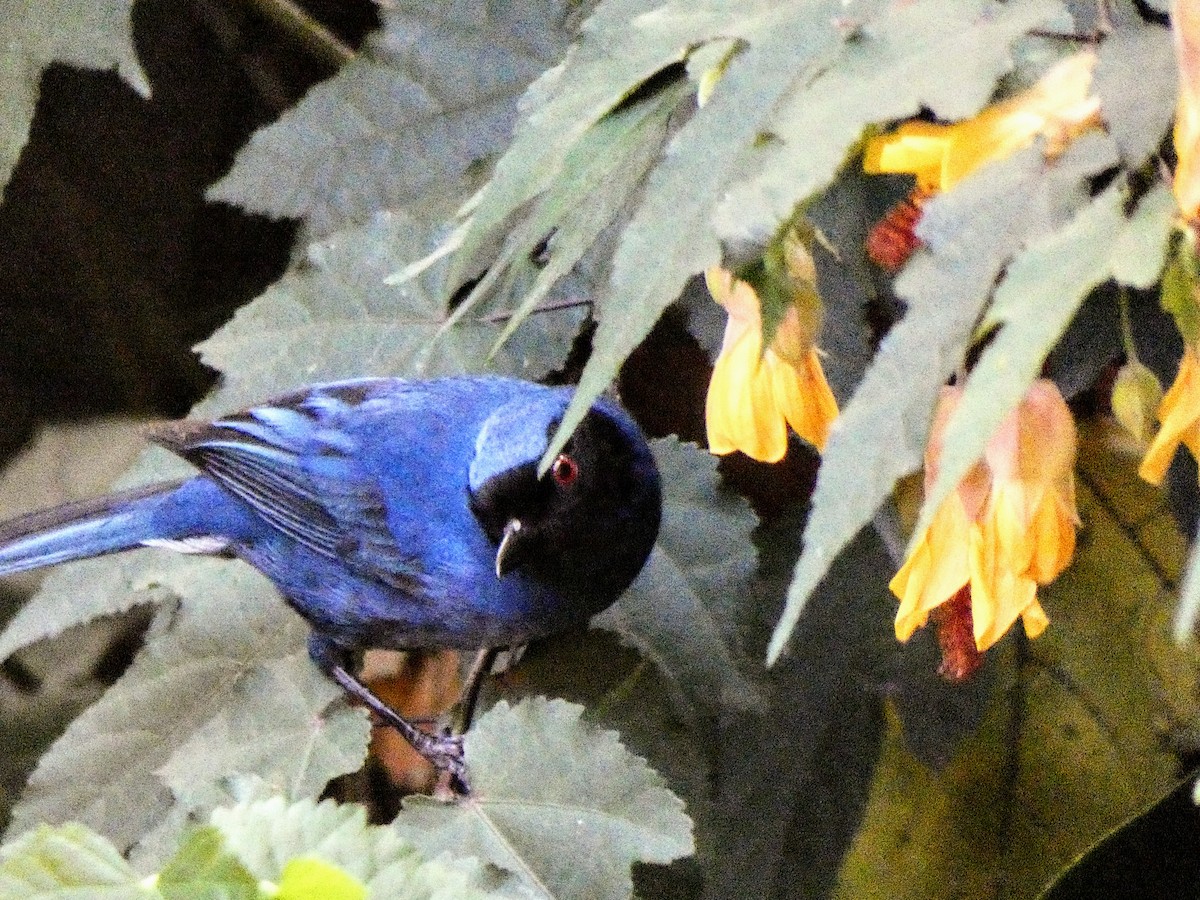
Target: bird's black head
(588, 525)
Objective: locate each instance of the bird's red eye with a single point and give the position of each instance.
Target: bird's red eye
(565, 470)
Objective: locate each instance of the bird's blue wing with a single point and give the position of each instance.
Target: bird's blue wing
(296, 467)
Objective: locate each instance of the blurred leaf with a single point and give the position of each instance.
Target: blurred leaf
(90, 34)
(231, 667)
(330, 843)
(1075, 740)
(400, 127)
(1141, 249)
(335, 317)
(204, 868)
(927, 54)
(1136, 79)
(599, 175)
(606, 64)
(1151, 855)
(880, 434)
(562, 806)
(65, 862)
(815, 744)
(680, 610)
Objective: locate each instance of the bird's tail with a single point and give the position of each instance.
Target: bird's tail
(82, 529)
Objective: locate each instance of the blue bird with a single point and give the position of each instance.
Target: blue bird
(394, 514)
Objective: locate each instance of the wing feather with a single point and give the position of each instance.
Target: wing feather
(292, 463)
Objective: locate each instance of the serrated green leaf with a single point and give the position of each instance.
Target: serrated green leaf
(703, 559)
(1041, 291)
(670, 237)
(203, 868)
(607, 63)
(67, 861)
(560, 804)
(1141, 249)
(400, 127)
(90, 34)
(336, 317)
(1136, 81)
(1075, 740)
(269, 835)
(943, 57)
(199, 679)
(598, 177)
(880, 435)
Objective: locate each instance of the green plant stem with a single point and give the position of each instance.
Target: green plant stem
(305, 30)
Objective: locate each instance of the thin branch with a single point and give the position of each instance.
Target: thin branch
(569, 303)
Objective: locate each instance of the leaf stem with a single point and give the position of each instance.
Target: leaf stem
(305, 30)
(568, 303)
(1126, 326)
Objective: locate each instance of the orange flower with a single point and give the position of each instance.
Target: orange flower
(1007, 528)
(1179, 414)
(756, 393)
(1185, 22)
(1058, 107)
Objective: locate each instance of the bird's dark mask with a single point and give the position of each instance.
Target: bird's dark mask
(592, 517)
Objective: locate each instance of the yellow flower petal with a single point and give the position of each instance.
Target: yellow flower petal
(1179, 413)
(935, 570)
(1058, 107)
(740, 409)
(754, 396)
(1034, 619)
(999, 595)
(802, 396)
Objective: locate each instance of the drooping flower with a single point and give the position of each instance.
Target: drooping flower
(755, 393)
(1179, 414)
(1179, 411)
(1185, 29)
(1007, 528)
(1058, 108)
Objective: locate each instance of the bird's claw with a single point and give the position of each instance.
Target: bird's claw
(445, 752)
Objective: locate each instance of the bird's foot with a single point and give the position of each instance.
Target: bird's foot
(445, 753)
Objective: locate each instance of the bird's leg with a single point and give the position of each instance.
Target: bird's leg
(444, 751)
(481, 668)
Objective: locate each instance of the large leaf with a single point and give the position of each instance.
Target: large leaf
(90, 34)
(1135, 78)
(226, 688)
(68, 861)
(401, 125)
(670, 237)
(561, 805)
(1076, 738)
(336, 317)
(269, 836)
(677, 612)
